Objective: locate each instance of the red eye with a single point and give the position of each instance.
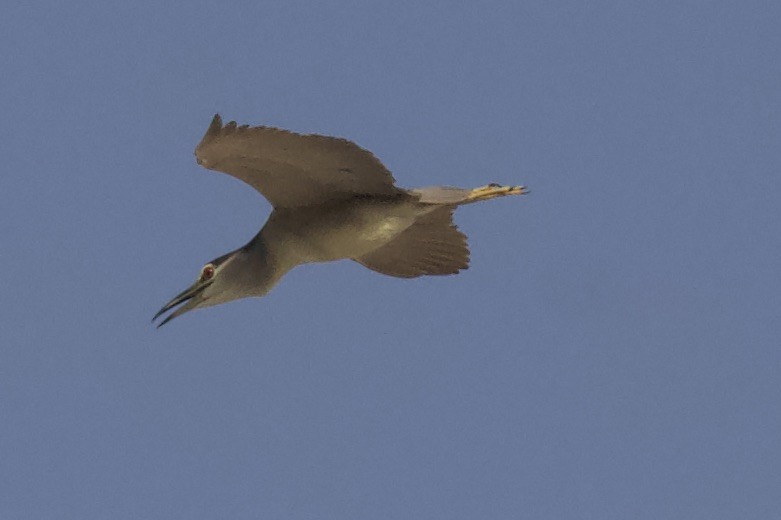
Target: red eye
(207, 273)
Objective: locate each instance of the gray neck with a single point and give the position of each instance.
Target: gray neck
(263, 266)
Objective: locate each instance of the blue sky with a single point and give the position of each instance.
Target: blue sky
(613, 352)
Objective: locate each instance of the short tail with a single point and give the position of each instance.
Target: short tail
(450, 195)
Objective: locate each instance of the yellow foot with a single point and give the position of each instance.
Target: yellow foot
(493, 190)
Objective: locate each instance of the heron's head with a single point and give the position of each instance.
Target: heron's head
(216, 283)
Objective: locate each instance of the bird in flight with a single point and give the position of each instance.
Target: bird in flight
(331, 200)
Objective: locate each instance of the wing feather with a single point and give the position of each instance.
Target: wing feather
(290, 169)
(431, 246)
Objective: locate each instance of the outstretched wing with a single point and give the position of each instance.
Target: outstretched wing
(293, 170)
(433, 245)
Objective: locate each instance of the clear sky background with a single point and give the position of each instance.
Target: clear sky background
(613, 352)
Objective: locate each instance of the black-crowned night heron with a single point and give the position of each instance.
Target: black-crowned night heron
(332, 199)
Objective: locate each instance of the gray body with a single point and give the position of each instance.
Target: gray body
(332, 200)
(346, 229)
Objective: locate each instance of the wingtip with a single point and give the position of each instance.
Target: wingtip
(214, 130)
(216, 124)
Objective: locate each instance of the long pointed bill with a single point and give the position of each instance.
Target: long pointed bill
(188, 295)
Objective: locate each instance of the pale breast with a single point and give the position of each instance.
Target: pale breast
(343, 231)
